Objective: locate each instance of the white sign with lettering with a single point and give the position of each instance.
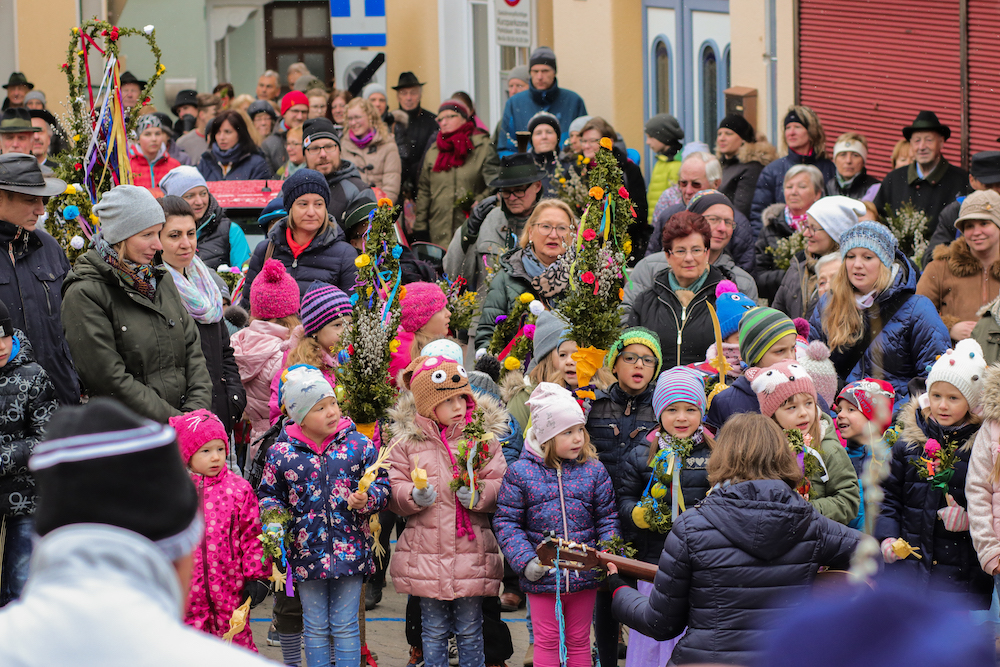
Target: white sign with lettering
(513, 22)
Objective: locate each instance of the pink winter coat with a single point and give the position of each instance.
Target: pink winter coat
(431, 560)
(982, 494)
(259, 350)
(228, 555)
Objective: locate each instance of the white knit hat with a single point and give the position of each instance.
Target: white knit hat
(836, 214)
(963, 368)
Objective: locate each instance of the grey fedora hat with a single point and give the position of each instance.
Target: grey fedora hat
(20, 173)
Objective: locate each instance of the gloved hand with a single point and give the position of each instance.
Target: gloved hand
(465, 494)
(424, 497)
(534, 570)
(955, 518)
(888, 555)
(256, 590)
(478, 214)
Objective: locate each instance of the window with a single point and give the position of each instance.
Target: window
(661, 60)
(729, 68)
(709, 95)
(298, 32)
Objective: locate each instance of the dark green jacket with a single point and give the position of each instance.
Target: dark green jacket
(987, 333)
(147, 355)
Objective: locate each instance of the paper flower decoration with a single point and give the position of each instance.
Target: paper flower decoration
(589, 235)
(597, 193)
(606, 143)
(527, 297)
(588, 277)
(148, 29)
(385, 201)
(362, 260)
(71, 212)
(622, 192)
(511, 363)
(536, 308)
(76, 242)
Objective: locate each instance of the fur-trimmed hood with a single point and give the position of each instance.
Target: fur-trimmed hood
(774, 215)
(405, 423)
(512, 382)
(961, 262)
(910, 431)
(759, 151)
(990, 400)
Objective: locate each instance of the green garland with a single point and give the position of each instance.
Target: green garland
(812, 466)
(272, 547)
(657, 503)
(474, 431)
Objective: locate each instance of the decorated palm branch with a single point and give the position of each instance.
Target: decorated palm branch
(519, 329)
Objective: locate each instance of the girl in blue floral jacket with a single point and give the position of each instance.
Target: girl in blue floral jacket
(313, 472)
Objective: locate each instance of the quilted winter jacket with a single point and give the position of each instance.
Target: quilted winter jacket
(378, 163)
(771, 182)
(27, 401)
(248, 167)
(229, 554)
(329, 540)
(907, 344)
(431, 560)
(909, 510)
(769, 277)
(618, 423)
(259, 350)
(729, 566)
(665, 173)
(983, 495)
(645, 271)
(957, 284)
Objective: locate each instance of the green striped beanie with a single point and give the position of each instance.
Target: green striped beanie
(761, 328)
(639, 335)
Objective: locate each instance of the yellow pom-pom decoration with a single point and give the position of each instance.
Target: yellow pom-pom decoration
(394, 345)
(512, 363)
(385, 201)
(627, 246)
(639, 517)
(597, 192)
(76, 137)
(70, 190)
(562, 180)
(606, 143)
(527, 297)
(94, 220)
(370, 290)
(586, 160)
(362, 260)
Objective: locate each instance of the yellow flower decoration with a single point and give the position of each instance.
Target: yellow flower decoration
(597, 192)
(76, 30)
(394, 345)
(161, 69)
(76, 137)
(562, 180)
(370, 290)
(627, 246)
(362, 260)
(621, 294)
(586, 160)
(94, 220)
(511, 363)
(527, 297)
(70, 190)
(79, 53)
(385, 201)
(402, 293)
(606, 143)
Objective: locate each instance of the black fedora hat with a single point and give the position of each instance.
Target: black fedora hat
(21, 173)
(18, 79)
(407, 80)
(517, 170)
(128, 77)
(184, 98)
(926, 121)
(985, 167)
(16, 120)
(44, 115)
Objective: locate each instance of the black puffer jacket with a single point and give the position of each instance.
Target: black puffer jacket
(618, 425)
(740, 248)
(229, 398)
(729, 566)
(768, 275)
(858, 188)
(27, 400)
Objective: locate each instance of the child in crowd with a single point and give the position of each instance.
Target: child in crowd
(864, 412)
(229, 559)
(925, 495)
(982, 486)
(730, 307)
(647, 482)
(787, 395)
(313, 472)
(815, 358)
(447, 555)
(27, 401)
(557, 485)
(424, 316)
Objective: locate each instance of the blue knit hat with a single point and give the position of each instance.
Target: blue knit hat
(275, 209)
(872, 236)
(302, 182)
(680, 383)
(730, 306)
(321, 304)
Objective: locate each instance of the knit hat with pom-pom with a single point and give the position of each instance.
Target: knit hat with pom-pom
(421, 302)
(730, 305)
(802, 328)
(274, 294)
(196, 429)
(815, 358)
(874, 398)
(776, 384)
(963, 368)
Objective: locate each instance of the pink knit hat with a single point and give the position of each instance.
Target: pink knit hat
(776, 384)
(274, 293)
(553, 410)
(195, 429)
(421, 303)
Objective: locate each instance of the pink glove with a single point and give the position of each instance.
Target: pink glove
(887, 553)
(955, 518)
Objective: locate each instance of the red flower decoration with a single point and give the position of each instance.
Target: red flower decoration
(114, 33)
(145, 101)
(589, 235)
(588, 278)
(622, 192)
(105, 32)
(78, 166)
(65, 65)
(350, 350)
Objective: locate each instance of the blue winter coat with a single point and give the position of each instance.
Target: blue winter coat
(771, 183)
(907, 344)
(729, 566)
(329, 539)
(248, 167)
(562, 103)
(529, 507)
(740, 248)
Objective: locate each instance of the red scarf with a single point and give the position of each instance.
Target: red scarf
(454, 147)
(293, 246)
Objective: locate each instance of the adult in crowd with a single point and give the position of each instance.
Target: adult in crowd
(930, 182)
(571, 144)
(196, 141)
(125, 322)
(412, 136)
(296, 156)
(319, 103)
(41, 142)
(805, 143)
(131, 541)
(33, 268)
(321, 144)
(458, 165)
(702, 171)
(232, 154)
(897, 340)
(902, 154)
(826, 221)
(338, 109)
(590, 139)
(663, 136)
(370, 147)
(543, 94)
(518, 80)
(294, 72)
(965, 275)
(545, 133)
(984, 174)
(148, 155)
(17, 88)
(17, 134)
(850, 155)
(202, 299)
(742, 158)
(185, 108)
(226, 93)
(294, 112)
(803, 186)
(308, 241)
(35, 101)
(375, 94)
(219, 240)
(675, 307)
(263, 116)
(532, 267)
(269, 86)
(131, 88)
(719, 213)
(168, 139)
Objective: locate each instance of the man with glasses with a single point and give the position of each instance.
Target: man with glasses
(321, 146)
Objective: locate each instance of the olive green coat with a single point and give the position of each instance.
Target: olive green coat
(987, 333)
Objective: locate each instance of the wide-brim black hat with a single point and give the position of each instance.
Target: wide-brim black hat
(185, 98)
(21, 173)
(516, 170)
(18, 79)
(16, 120)
(44, 115)
(985, 167)
(926, 121)
(407, 80)
(128, 77)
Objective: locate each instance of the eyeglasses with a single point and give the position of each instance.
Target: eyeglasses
(590, 142)
(293, 143)
(545, 229)
(714, 220)
(515, 192)
(683, 252)
(811, 228)
(316, 150)
(634, 359)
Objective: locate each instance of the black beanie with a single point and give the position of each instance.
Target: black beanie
(544, 118)
(102, 463)
(740, 125)
(6, 324)
(543, 55)
(706, 199)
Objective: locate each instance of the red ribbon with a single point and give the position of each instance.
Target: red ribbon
(86, 63)
(510, 345)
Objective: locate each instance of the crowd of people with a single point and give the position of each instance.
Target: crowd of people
(790, 361)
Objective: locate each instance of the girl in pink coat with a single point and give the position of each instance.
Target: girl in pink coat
(230, 558)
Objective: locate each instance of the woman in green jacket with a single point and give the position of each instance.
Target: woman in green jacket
(127, 328)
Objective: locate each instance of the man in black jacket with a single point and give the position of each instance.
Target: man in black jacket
(322, 149)
(413, 137)
(33, 267)
(985, 175)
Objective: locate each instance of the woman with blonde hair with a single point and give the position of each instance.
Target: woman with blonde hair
(370, 147)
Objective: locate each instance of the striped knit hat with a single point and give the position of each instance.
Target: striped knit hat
(761, 328)
(322, 304)
(680, 383)
(640, 336)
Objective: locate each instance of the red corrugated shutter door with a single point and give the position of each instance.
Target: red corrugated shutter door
(870, 66)
(984, 75)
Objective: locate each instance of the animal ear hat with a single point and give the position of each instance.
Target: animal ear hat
(433, 380)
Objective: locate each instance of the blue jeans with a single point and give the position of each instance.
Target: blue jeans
(330, 608)
(16, 557)
(440, 618)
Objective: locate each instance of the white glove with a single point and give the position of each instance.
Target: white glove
(955, 518)
(887, 553)
(534, 570)
(424, 497)
(465, 494)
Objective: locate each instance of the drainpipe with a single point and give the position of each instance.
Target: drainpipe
(772, 66)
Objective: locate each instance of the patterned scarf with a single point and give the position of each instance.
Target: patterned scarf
(454, 147)
(141, 277)
(796, 222)
(199, 292)
(547, 281)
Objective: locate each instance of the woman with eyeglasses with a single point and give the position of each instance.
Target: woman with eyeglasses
(675, 308)
(532, 267)
(232, 154)
(454, 174)
(370, 146)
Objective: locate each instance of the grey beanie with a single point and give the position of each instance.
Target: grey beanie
(521, 73)
(578, 123)
(550, 332)
(35, 95)
(543, 55)
(373, 88)
(664, 128)
(484, 384)
(126, 210)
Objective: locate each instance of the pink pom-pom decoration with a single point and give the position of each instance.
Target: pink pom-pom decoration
(818, 351)
(724, 287)
(529, 331)
(802, 327)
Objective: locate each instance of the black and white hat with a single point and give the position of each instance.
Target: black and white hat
(6, 324)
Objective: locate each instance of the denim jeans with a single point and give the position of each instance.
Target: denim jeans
(330, 608)
(16, 557)
(440, 618)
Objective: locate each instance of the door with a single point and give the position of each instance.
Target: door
(298, 32)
